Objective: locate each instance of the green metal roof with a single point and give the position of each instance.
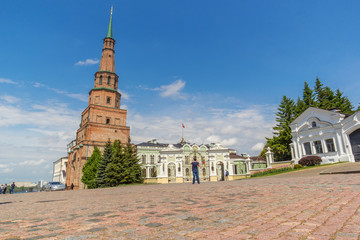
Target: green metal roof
(110, 33)
(104, 88)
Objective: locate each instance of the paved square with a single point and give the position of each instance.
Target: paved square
(288, 206)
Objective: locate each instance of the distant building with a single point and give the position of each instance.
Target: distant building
(164, 163)
(102, 120)
(25, 184)
(330, 134)
(59, 170)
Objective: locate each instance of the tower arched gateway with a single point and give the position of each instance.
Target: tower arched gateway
(102, 120)
(355, 144)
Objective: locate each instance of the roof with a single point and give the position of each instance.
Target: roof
(109, 32)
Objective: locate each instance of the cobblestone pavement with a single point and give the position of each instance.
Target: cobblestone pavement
(308, 207)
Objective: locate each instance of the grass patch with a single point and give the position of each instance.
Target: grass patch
(276, 171)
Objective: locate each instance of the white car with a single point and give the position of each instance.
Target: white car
(54, 186)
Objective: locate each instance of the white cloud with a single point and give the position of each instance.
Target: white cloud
(6, 170)
(87, 62)
(239, 129)
(78, 96)
(258, 146)
(124, 95)
(172, 90)
(32, 162)
(10, 99)
(9, 81)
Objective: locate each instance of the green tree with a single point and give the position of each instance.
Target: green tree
(105, 160)
(308, 96)
(280, 143)
(90, 169)
(133, 170)
(114, 170)
(343, 103)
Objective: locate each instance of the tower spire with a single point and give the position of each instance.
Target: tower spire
(109, 32)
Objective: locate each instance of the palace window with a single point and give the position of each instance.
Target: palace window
(152, 159)
(100, 80)
(318, 146)
(330, 145)
(307, 148)
(186, 159)
(109, 80)
(143, 159)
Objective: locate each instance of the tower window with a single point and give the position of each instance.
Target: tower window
(100, 80)
(109, 80)
(107, 120)
(108, 100)
(110, 44)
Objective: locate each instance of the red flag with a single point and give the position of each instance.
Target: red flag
(183, 125)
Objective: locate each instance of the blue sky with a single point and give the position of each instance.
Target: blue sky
(221, 67)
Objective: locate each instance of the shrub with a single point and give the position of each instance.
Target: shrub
(310, 161)
(297, 166)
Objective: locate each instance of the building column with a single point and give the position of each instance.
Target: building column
(248, 164)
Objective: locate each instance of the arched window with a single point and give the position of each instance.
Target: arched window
(100, 80)
(109, 80)
(143, 158)
(108, 100)
(313, 124)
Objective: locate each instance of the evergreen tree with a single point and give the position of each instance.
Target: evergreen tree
(308, 95)
(124, 167)
(90, 169)
(280, 143)
(300, 107)
(105, 160)
(133, 170)
(114, 170)
(343, 103)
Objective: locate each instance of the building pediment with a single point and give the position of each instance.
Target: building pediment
(316, 118)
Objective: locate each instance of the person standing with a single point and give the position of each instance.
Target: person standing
(195, 170)
(226, 175)
(12, 187)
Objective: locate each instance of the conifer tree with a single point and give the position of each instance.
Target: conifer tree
(343, 103)
(105, 160)
(133, 170)
(115, 169)
(90, 169)
(308, 95)
(280, 143)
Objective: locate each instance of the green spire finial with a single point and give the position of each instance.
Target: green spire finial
(109, 33)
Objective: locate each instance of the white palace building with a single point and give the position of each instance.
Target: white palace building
(329, 134)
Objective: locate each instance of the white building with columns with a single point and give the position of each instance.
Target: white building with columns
(329, 134)
(164, 163)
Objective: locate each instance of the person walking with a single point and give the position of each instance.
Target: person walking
(4, 189)
(12, 187)
(226, 175)
(195, 165)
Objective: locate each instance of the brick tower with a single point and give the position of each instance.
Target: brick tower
(103, 119)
